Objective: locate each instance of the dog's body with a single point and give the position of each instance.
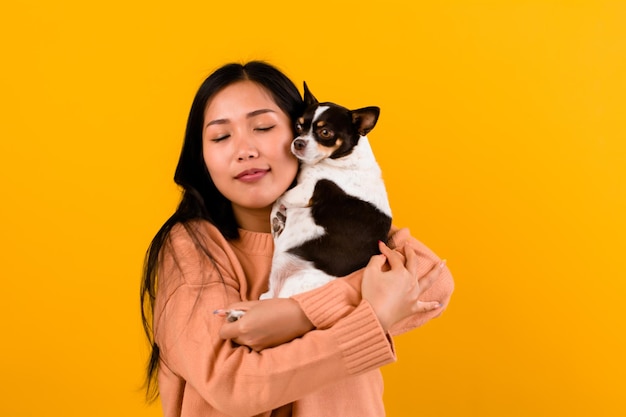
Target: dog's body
(330, 223)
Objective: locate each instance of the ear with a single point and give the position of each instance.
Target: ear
(365, 119)
(309, 99)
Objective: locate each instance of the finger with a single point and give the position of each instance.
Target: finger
(230, 315)
(412, 261)
(393, 257)
(429, 279)
(234, 315)
(377, 262)
(235, 310)
(426, 306)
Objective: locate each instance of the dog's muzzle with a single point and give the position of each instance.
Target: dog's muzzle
(299, 144)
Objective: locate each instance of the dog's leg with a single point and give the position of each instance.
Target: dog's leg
(278, 273)
(304, 280)
(298, 196)
(284, 265)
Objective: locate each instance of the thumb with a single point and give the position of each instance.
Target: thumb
(229, 330)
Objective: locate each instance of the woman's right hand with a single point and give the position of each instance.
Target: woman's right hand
(392, 287)
(266, 323)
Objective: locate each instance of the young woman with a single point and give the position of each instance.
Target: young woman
(315, 354)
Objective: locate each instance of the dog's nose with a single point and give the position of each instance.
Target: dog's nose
(299, 144)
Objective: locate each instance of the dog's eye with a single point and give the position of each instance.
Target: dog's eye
(325, 133)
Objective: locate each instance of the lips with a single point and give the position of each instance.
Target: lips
(251, 175)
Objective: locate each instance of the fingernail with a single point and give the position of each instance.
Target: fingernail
(219, 311)
(442, 263)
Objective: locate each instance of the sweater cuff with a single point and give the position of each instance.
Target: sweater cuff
(363, 342)
(326, 305)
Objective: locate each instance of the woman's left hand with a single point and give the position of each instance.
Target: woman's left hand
(266, 323)
(392, 285)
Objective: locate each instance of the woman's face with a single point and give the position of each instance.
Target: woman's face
(246, 148)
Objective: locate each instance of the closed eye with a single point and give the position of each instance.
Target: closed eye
(220, 138)
(265, 128)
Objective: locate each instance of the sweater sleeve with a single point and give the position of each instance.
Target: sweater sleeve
(325, 305)
(234, 379)
(440, 291)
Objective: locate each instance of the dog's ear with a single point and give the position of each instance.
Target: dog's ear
(365, 119)
(309, 99)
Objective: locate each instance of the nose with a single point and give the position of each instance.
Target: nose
(299, 144)
(246, 149)
(246, 155)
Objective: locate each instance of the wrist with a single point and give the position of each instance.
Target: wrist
(302, 321)
(383, 319)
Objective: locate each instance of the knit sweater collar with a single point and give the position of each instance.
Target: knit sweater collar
(254, 243)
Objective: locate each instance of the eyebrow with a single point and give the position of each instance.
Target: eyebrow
(248, 116)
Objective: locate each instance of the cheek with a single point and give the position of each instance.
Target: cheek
(292, 168)
(291, 162)
(285, 164)
(207, 161)
(212, 164)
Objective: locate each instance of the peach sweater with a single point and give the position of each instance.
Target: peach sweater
(331, 371)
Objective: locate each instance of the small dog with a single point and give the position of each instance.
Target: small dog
(329, 224)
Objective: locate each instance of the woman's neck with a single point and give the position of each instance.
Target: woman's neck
(253, 220)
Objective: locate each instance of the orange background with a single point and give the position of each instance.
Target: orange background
(502, 140)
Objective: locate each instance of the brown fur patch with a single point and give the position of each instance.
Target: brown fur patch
(328, 150)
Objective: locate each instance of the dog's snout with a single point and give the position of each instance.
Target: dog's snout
(299, 144)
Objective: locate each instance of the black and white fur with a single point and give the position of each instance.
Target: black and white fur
(330, 223)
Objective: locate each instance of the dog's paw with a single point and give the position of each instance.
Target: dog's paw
(266, 295)
(277, 226)
(234, 315)
(278, 222)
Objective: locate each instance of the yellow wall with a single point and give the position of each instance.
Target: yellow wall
(503, 143)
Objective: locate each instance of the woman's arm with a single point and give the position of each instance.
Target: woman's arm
(324, 306)
(266, 324)
(393, 290)
(235, 379)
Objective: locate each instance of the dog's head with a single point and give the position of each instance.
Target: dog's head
(328, 130)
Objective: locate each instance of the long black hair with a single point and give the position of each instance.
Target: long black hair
(200, 198)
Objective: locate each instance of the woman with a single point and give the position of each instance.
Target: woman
(315, 354)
